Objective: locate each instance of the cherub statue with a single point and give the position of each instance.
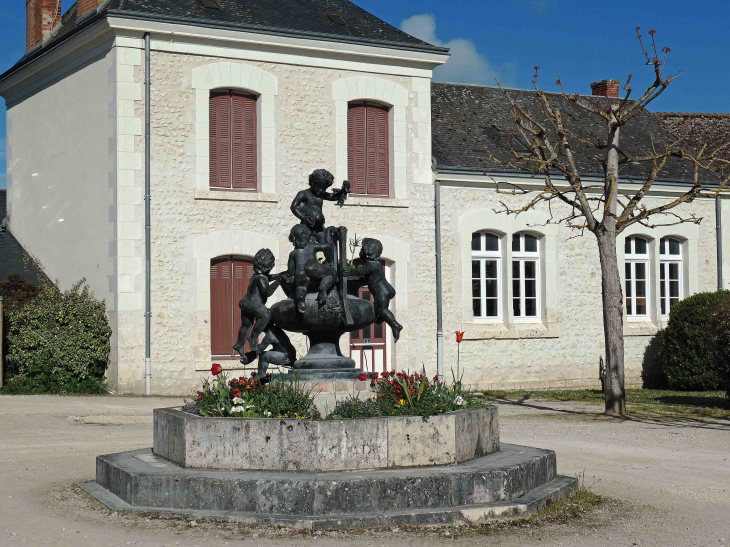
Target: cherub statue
(282, 353)
(304, 267)
(307, 204)
(255, 316)
(382, 291)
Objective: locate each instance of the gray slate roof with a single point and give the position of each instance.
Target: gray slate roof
(473, 128)
(317, 19)
(13, 258)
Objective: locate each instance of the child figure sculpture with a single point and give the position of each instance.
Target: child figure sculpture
(304, 267)
(255, 316)
(307, 204)
(382, 291)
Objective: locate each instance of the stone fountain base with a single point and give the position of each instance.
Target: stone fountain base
(332, 474)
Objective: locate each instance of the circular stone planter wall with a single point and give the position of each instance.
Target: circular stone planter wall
(324, 445)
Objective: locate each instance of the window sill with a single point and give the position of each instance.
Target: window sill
(363, 201)
(643, 328)
(233, 195)
(515, 331)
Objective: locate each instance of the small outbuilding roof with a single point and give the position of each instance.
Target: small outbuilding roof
(473, 129)
(13, 258)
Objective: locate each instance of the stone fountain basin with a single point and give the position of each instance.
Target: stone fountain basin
(325, 445)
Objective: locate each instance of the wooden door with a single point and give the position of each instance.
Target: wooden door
(229, 279)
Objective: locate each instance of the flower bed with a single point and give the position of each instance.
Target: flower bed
(396, 394)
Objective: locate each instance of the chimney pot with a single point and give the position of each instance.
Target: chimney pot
(41, 18)
(606, 88)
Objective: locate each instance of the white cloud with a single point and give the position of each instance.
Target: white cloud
(466, 64)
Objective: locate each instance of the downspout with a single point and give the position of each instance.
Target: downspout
(147, 227)
(439, 306)
(718, 222)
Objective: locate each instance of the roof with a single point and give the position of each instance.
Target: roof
(335, 20)
(13, 258)
(473, 128)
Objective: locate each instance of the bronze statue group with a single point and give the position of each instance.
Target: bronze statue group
(306, 272)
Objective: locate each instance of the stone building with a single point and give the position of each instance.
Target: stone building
(244, 102)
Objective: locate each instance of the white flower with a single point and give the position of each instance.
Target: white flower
(267, 414)
(249, 407)
(459, 401)
(237, 401)
(236, 409)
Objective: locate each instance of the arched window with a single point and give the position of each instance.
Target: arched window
(232, 140)
(636, 266)
(525, 276)
(368, 149)
(670, 273)
(229, 279)
(486, 273)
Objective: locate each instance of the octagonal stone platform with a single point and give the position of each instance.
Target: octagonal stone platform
(325, 445)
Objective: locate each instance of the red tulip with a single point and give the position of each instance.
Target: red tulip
(362, 377)
(459, 336)
(216, 369)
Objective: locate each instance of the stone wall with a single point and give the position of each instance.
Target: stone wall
(562, 350)
(190, 226)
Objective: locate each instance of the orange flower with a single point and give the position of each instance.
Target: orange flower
(459, 336)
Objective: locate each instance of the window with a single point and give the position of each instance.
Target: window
(229, 279)
(637, 276)
(368, 149)
(525, 277)
(232, 140)
(486, 267)
(670, 273)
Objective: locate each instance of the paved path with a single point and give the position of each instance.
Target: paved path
(673, 476)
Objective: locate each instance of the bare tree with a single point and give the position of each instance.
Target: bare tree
(604, 209)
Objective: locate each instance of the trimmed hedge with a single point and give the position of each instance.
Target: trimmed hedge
(687, 349)
(721, 343)
(58, 342)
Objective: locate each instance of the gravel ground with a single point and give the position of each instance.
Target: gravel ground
(668, 480)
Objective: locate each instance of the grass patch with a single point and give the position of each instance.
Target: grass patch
(641, 403)
(575, 507)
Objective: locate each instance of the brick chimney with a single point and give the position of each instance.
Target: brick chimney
(84, 7)
(41, 17)
(606, 88)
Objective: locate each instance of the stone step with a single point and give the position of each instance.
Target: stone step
(142, 479)
(524, 506)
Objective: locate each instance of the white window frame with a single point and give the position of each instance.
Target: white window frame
(523, 256)
(483, 256)
(632, 258)
(665, 259)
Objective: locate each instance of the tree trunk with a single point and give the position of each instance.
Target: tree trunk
(613, 323)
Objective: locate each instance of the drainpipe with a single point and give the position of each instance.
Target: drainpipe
(718, 221)
(147, 227)
(439, 306)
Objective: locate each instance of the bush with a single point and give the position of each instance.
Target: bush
(58, 342)
(686, 348)
(721, 343)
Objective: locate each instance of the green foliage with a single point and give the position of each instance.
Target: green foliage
(246, 398)
(721, 343)
(686, 349)
(58, 342)
(404, 394)
(16, 291)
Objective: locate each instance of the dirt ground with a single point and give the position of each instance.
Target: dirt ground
(668, 481)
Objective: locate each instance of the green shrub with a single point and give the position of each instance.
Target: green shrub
(721, 343)
(686, 350)
(58, 342)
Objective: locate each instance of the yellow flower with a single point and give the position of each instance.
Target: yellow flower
(401, 402)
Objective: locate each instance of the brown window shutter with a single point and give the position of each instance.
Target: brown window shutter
(356, 149)
(243, 133)
(382, 176)
(221, 308)
(220, 139)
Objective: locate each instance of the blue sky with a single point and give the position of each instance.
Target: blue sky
(582, 41)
